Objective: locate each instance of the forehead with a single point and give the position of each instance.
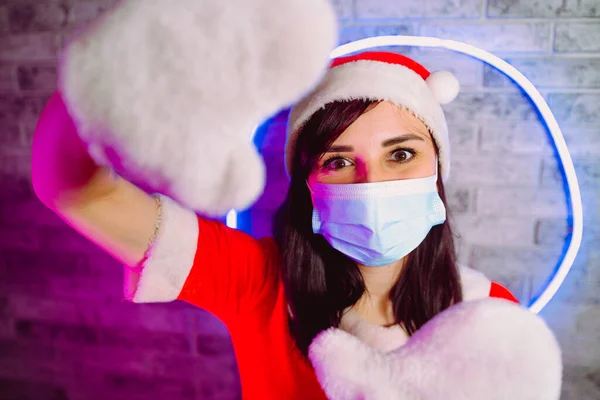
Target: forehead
(382, 121)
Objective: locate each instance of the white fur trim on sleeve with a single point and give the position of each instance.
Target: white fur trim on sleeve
(475, 285)
(171, 259)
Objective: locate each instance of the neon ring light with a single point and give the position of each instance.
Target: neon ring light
(560, 272)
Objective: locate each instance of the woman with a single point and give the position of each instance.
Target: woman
(362, 240)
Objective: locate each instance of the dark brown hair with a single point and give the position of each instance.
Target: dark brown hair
(320, 282)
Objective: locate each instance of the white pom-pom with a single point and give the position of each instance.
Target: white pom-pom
(444, 86)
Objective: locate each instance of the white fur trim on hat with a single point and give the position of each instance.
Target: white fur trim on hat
(367, 79)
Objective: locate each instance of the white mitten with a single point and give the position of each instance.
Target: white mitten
(488, 349)
(170, 91)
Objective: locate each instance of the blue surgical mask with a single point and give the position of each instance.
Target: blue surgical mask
(376, 224)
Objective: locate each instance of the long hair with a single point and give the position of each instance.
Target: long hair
(321, 282)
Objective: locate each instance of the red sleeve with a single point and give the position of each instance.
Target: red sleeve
(232, 272)
(499, 291)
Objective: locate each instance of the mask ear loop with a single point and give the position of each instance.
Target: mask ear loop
(308, 186)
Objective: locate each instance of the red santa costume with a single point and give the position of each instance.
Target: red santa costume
(237, 278)
(150, 84)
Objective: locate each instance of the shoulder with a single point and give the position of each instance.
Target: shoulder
(499, 291)
(476, 285)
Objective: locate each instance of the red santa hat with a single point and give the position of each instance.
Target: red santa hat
(382, 76)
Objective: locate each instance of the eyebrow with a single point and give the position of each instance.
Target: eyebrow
(401, 139)
(386, 143)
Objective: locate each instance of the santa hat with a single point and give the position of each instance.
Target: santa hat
(381, 76)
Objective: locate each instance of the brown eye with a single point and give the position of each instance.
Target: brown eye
(336, 163)
(402, 155)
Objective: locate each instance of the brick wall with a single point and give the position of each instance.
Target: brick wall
(506, 192)
(65, 333)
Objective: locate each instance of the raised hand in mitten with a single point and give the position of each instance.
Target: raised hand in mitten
(170, 92)
(484, 349)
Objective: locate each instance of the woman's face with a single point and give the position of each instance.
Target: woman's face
(386, 143)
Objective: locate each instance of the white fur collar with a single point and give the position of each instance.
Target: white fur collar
(474, 285)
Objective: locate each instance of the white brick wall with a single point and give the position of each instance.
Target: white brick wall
(543, 8)
(407, 9)
(496, 36)
(572, 37)
(506, 192)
